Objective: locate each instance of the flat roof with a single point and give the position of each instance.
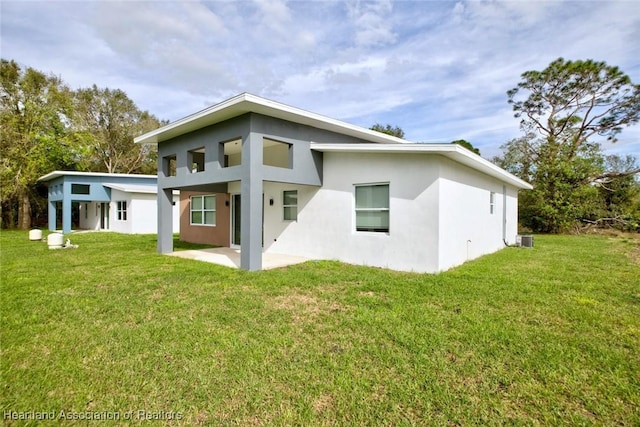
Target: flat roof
(455, 152)
(58, 174)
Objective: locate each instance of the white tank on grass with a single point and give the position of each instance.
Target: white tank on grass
(55, 240)
(35, 235)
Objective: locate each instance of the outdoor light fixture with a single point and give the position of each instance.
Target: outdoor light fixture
(270, 202)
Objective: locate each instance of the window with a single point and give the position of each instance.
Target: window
(203, 210)
(121, 211)
(372, 208)
(290, 205)
(80, 189)
(492, 202)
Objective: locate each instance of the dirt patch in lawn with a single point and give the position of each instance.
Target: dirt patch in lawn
(634, 252)
(322, 403)
(306, 307)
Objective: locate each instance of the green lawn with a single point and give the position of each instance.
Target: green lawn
(542, 336)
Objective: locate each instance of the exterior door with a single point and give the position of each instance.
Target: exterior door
(104, 216)
(235, 219)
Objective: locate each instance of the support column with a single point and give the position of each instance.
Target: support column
(251, 195)
(66, 215)
(165, 221)
(52, 216)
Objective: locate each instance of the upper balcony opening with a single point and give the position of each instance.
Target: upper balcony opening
(196, 160)
(232, 153)
(169, 167)
(277, 153)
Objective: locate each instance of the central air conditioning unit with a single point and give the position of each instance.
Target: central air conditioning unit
(524, 240)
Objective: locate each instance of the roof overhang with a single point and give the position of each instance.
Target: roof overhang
(129, 188)
(376, 142)
(454, 152)
(57, 174)
(136, 188)
(248, 103)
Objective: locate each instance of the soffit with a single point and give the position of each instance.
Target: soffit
(57, 174)
(452, 151)
(247, 103)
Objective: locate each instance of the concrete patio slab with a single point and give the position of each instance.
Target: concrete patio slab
(230, 257)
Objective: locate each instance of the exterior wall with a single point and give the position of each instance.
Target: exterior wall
(439, 214)
(326, 217)
(215, 235)
(114, 223)
(468, 229)
(143, 211)
(90, 216)
(276, 229)
(141, 214)
(511, 208)
(55, 189)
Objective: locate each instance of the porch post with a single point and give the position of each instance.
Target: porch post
(52, 215)
(66, 215)
(165, 220)
(251, 195)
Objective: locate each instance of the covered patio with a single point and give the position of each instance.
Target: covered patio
(230, 257)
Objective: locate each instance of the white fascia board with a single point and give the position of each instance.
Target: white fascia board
(454, 152)
(137, 189)
(248, 103)
(140, 189)
(58, 174)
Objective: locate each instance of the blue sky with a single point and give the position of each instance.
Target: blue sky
(438, 69)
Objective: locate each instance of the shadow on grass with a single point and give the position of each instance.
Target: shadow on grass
(179, 245)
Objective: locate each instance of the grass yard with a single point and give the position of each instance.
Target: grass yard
(542, 336)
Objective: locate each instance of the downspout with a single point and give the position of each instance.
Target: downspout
(504, 215)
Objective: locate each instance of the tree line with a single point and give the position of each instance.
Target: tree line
(564, 111)
(46, 126)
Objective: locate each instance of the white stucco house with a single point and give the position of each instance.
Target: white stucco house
(270, 178)
(125, 203)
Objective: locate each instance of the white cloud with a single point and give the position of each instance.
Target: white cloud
(275, 13)
(371, 23)
(440, 70)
